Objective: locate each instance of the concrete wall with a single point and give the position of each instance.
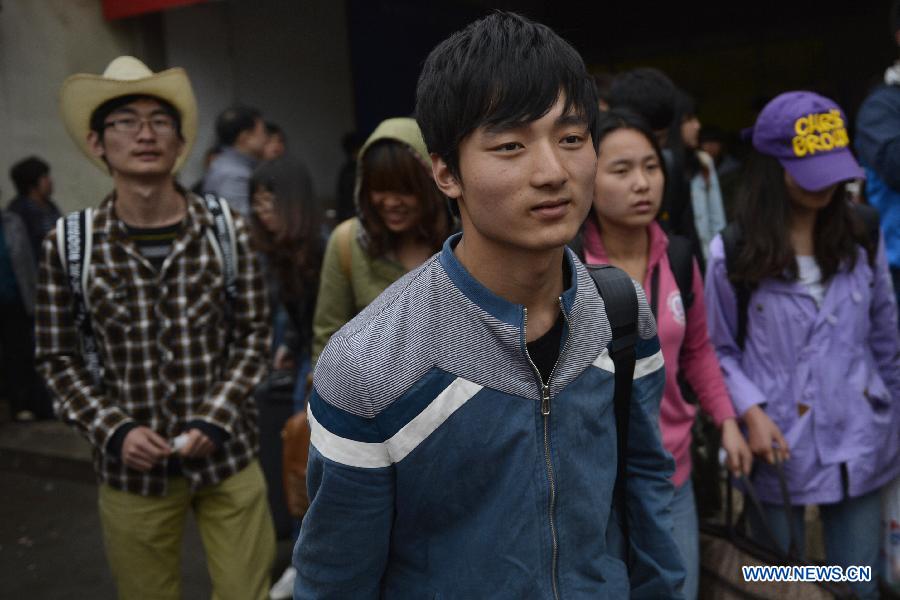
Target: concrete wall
(289, 59)
(41, 43)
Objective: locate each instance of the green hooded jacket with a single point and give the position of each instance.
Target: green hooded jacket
(350, 277)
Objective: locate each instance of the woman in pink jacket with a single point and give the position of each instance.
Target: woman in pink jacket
(621, 230)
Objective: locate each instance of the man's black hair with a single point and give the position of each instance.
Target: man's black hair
(713, 133)
(603, 81)
(233, 120)
(648, 92)
(274, 128)
(500, 70)
(98, 117)
(26, 174)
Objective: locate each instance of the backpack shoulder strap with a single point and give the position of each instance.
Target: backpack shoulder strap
(577, 244)
(731, 241)
(225, 243)
(620, 299)
(344, 234)
(74, 239)
(681, 260)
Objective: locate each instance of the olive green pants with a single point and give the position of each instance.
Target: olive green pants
(143, 537)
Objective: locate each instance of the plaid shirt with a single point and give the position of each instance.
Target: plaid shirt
(169, 357)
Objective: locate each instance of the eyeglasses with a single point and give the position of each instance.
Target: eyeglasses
(159, 124)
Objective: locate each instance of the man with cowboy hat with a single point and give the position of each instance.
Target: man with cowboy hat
(178, 319)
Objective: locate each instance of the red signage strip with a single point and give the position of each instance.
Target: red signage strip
(119, 9)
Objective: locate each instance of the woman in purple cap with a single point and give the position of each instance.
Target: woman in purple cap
(804, 321)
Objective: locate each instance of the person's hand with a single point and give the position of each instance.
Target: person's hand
(740, 458)
(198, 445)
(142, 448)
(765, 438)
(283, 360)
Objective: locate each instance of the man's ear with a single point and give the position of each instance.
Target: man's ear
(444, 178)
(95, 144)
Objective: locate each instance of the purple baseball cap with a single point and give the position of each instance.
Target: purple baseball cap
(807, 133)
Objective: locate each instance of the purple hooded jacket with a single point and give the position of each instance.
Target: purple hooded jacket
(828, 376)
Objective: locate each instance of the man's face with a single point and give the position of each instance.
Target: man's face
(45, 186)
(713, 148)
(139, 140)
(254, 140)
(527, 187)
(274, 147)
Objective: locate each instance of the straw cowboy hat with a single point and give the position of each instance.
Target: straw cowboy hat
(82, 93)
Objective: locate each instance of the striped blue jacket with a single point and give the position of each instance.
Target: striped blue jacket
(434, 473)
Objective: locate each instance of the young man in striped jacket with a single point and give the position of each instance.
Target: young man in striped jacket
(463, 434)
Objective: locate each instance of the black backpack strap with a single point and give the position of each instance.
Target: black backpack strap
(620, 298)
(681, 260)
(225, 244)
(731, 241)
(654, 292)
(74, 238)
(577, 244)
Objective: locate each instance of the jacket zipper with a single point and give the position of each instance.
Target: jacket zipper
(545, 411)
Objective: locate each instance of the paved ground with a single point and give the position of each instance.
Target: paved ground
(50, 542)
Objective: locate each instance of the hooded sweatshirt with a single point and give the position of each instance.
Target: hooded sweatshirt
(346, 287)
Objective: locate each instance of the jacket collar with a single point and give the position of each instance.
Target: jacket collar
(498, 307)
(196, 220)
(595, 251)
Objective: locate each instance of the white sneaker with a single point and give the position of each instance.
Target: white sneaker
(284, 587)
(25, 416)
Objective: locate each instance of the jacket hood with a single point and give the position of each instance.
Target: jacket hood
(401, 129)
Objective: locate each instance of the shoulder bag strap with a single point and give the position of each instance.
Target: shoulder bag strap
(345, 233)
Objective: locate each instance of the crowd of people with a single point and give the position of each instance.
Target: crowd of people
(446, 342)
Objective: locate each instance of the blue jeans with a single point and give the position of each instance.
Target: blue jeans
(685, 530)
(852, 530)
